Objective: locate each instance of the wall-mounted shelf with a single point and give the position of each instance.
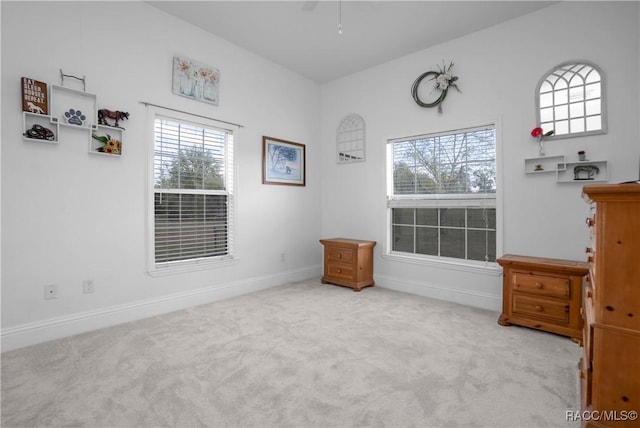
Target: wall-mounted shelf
(73, 108)
(31, 120)
(584, 172)
(545, 164)
(111, 148)
(568, 172)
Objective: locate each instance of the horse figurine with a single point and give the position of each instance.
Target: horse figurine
(116, 116)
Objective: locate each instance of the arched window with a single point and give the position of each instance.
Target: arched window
(570, 100)
(350, 139)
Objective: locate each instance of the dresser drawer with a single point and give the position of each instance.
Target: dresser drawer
(342, 255)
(544, 285)
(539, 308)
(616, 384)
(584, 373)
(588, 330)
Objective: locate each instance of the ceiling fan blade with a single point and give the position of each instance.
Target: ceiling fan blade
(309, 5)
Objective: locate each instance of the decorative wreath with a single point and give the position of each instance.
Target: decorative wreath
(443, 81)
(414, 90)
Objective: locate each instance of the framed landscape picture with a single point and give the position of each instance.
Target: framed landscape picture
(283, 162)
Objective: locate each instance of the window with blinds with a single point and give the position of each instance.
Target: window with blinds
(441, 194)
(193, 190)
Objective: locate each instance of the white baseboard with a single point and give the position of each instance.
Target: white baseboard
(56, 328)
(441, 292)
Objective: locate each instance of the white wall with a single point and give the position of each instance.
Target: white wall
(69, 216)
(498, 70)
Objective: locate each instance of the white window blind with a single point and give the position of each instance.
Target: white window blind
(462, 163)
(193, 191)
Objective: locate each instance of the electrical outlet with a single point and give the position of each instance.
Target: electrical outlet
(50, 291)
(88, 286)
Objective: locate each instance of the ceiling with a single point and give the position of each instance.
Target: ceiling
(303, 35)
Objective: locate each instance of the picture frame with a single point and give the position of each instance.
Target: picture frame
(195, 80)
(34, 96)
(283, 162)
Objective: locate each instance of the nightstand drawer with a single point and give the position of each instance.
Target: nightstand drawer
(526, 282)
(340, 271)
(343, 255)
(538, 308)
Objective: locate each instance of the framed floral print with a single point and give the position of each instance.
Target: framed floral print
(194, 80)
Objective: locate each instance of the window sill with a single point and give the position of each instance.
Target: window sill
(177, 268)
(484, 268)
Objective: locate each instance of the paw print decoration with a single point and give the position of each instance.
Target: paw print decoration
(75, 117)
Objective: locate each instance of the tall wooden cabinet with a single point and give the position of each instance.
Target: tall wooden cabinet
(610, 367)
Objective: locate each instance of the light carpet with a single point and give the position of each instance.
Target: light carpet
(298, 355)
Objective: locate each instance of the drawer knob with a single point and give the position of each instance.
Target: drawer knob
(339, 255)
(339, 270)
(538, 285)
(538, 308)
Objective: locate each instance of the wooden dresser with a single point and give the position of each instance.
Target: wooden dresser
(348, 262)
(610, 368)
(543, 293)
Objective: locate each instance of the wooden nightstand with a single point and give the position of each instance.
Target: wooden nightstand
(543, 293)
(348, 262)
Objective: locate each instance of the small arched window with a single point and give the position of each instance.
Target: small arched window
(350, 139)
(570, 100)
